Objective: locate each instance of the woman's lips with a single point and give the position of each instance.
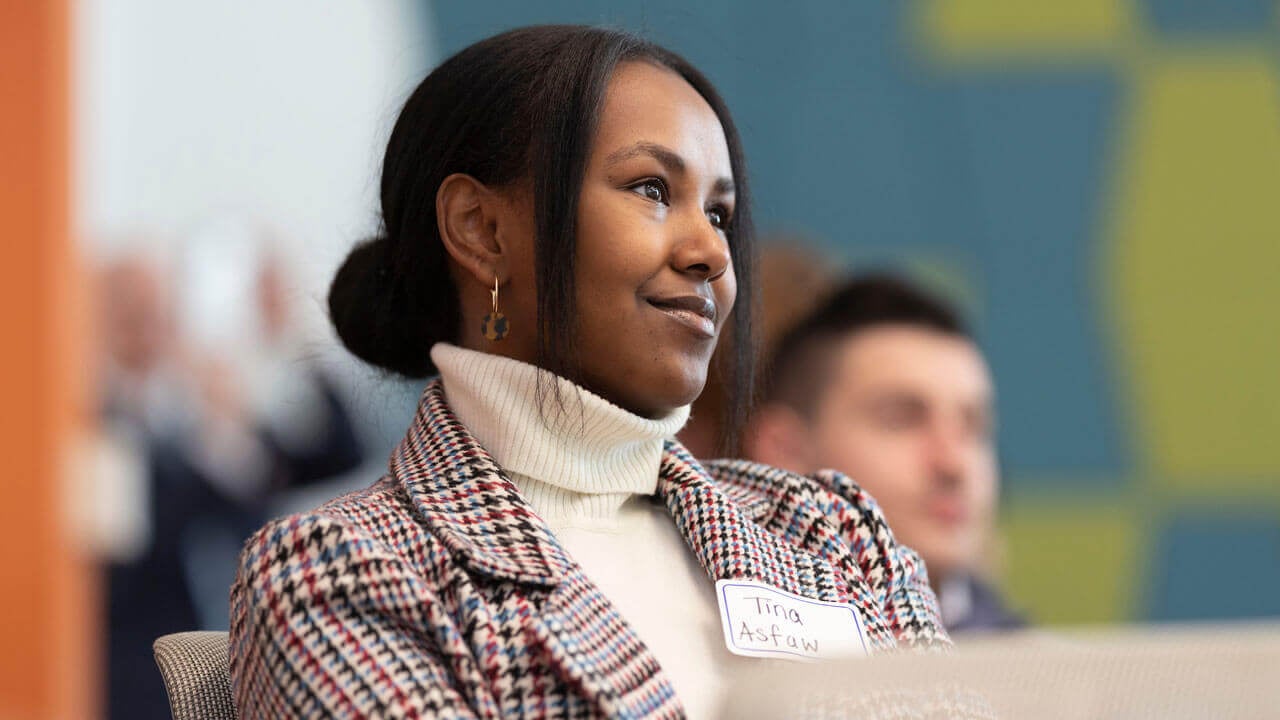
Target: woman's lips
(695, 312)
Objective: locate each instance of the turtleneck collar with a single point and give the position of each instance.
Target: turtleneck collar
(580, 462)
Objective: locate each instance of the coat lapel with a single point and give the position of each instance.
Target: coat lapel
(725, 533)
(600, 654)
(469, 503)
(826, 546)
(479, 515)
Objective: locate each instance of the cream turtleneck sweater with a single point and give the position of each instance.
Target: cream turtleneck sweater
(590, 472)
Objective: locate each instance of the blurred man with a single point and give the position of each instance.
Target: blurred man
(156, 487)
(883, 383)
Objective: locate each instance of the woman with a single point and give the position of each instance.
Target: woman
(566, 230)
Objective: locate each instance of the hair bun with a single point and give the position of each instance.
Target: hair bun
(376, 316)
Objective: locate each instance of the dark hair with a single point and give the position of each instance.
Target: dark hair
(519, 105)
(800, 365)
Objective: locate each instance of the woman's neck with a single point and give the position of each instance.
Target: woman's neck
(569, 450)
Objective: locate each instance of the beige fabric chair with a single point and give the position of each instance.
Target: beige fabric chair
(1225, 672)
(197, 675)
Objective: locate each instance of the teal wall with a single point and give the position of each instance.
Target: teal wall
(1096, 183)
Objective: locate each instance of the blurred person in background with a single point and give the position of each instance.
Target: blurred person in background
(151, 472)
(194, 443)
(884, 383)
(259, 375)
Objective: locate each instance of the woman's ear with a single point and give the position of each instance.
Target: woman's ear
(467, 214)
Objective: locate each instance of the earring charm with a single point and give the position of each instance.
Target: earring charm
(495, 326)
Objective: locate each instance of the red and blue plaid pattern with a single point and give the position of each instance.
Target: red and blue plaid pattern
(438, 592)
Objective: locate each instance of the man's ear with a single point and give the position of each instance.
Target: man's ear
(467, 217)
(776, 435)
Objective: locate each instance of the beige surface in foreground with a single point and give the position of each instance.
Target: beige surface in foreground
(1222, 672)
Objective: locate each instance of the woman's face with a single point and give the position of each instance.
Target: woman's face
(655, 283)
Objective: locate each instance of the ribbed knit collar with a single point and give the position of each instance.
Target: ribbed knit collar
(582, 462)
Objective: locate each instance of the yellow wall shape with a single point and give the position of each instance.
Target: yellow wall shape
(1193, 268)
(1072, 561)
(969, 29)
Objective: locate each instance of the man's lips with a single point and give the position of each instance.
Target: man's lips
(696, 312)
(949, 511)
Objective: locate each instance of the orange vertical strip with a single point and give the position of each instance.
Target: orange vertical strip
(46, 601)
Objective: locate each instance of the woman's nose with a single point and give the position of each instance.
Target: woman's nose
(701, 249)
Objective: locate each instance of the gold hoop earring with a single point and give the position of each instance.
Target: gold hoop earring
(495, 326)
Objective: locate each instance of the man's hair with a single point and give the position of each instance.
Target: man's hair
(800, 365)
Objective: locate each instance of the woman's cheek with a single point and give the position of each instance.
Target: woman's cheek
(726, 296)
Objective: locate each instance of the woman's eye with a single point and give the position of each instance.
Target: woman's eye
(652, 189)
(719, 218)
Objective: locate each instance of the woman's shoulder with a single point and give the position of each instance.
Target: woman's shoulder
(354, 509)
(376, 521)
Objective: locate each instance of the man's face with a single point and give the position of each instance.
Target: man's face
(907, 415)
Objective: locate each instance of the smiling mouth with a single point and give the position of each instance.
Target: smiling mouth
(693, 311)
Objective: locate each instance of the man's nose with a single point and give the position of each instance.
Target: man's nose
(948, 454)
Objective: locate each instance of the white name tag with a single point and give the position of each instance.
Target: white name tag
(762, 621)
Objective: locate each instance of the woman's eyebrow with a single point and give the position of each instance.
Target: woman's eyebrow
(723, 186)
(667, 157)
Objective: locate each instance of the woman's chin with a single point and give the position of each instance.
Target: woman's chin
(678, 389)
(655, 391)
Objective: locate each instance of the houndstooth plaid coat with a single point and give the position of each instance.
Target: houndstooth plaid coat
(437, 592)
